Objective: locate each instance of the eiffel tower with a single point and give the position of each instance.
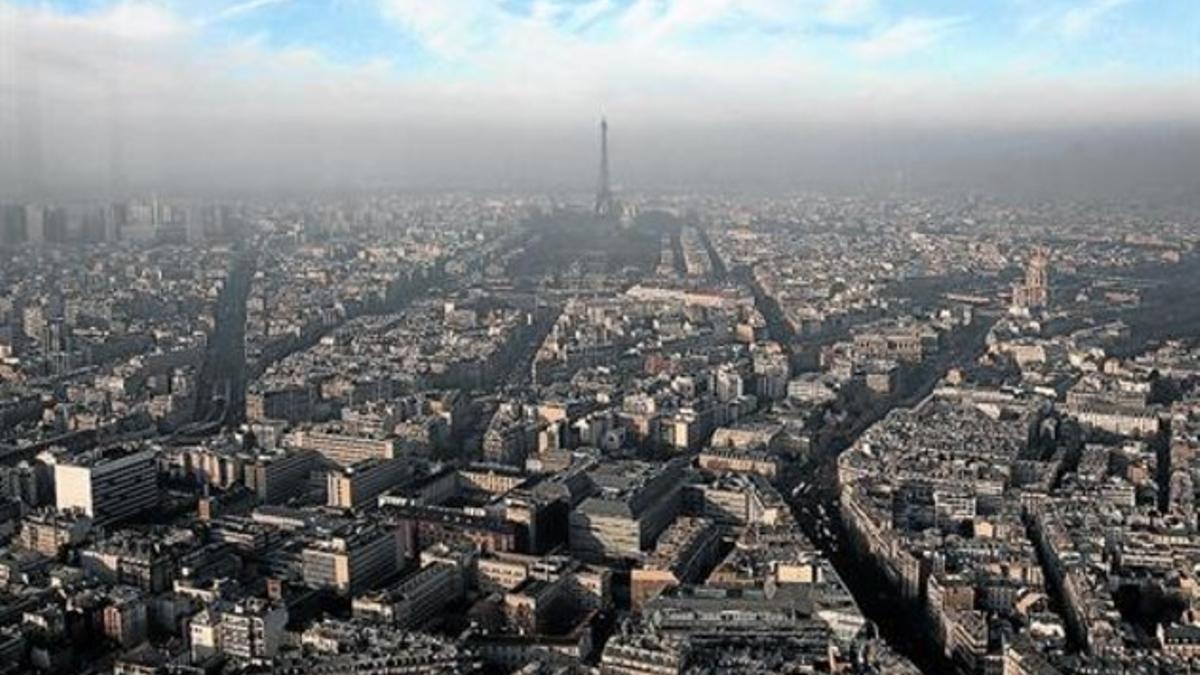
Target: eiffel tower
(606, 205)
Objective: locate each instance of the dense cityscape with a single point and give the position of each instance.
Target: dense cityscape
(660, 434)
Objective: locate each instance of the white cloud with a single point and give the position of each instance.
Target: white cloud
(236, 10)
(848, 12)
(554, 56)
(906, 36)
(545, 64)
(1070, 22)
(581, 16)
(131, 20)
(451, 28)
(1079, 21)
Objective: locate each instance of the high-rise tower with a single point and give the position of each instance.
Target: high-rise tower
(606, 206)
(1034, 293)
(1037, 278)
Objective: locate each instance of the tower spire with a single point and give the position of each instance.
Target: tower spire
(605, 204)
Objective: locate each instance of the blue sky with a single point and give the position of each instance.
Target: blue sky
(1129, 39)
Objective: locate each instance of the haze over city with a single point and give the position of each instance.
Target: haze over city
(1008, 96)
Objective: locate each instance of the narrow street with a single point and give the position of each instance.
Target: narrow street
(813, 491)
(221, 387)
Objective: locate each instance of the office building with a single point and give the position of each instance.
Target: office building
(358, 485)
(354, 559)
(276, 478)
(414, 600)
(342, 448)
(108, 486)
(633, 503)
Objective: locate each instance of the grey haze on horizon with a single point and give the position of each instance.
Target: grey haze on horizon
(138, 96)
(198, 158)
